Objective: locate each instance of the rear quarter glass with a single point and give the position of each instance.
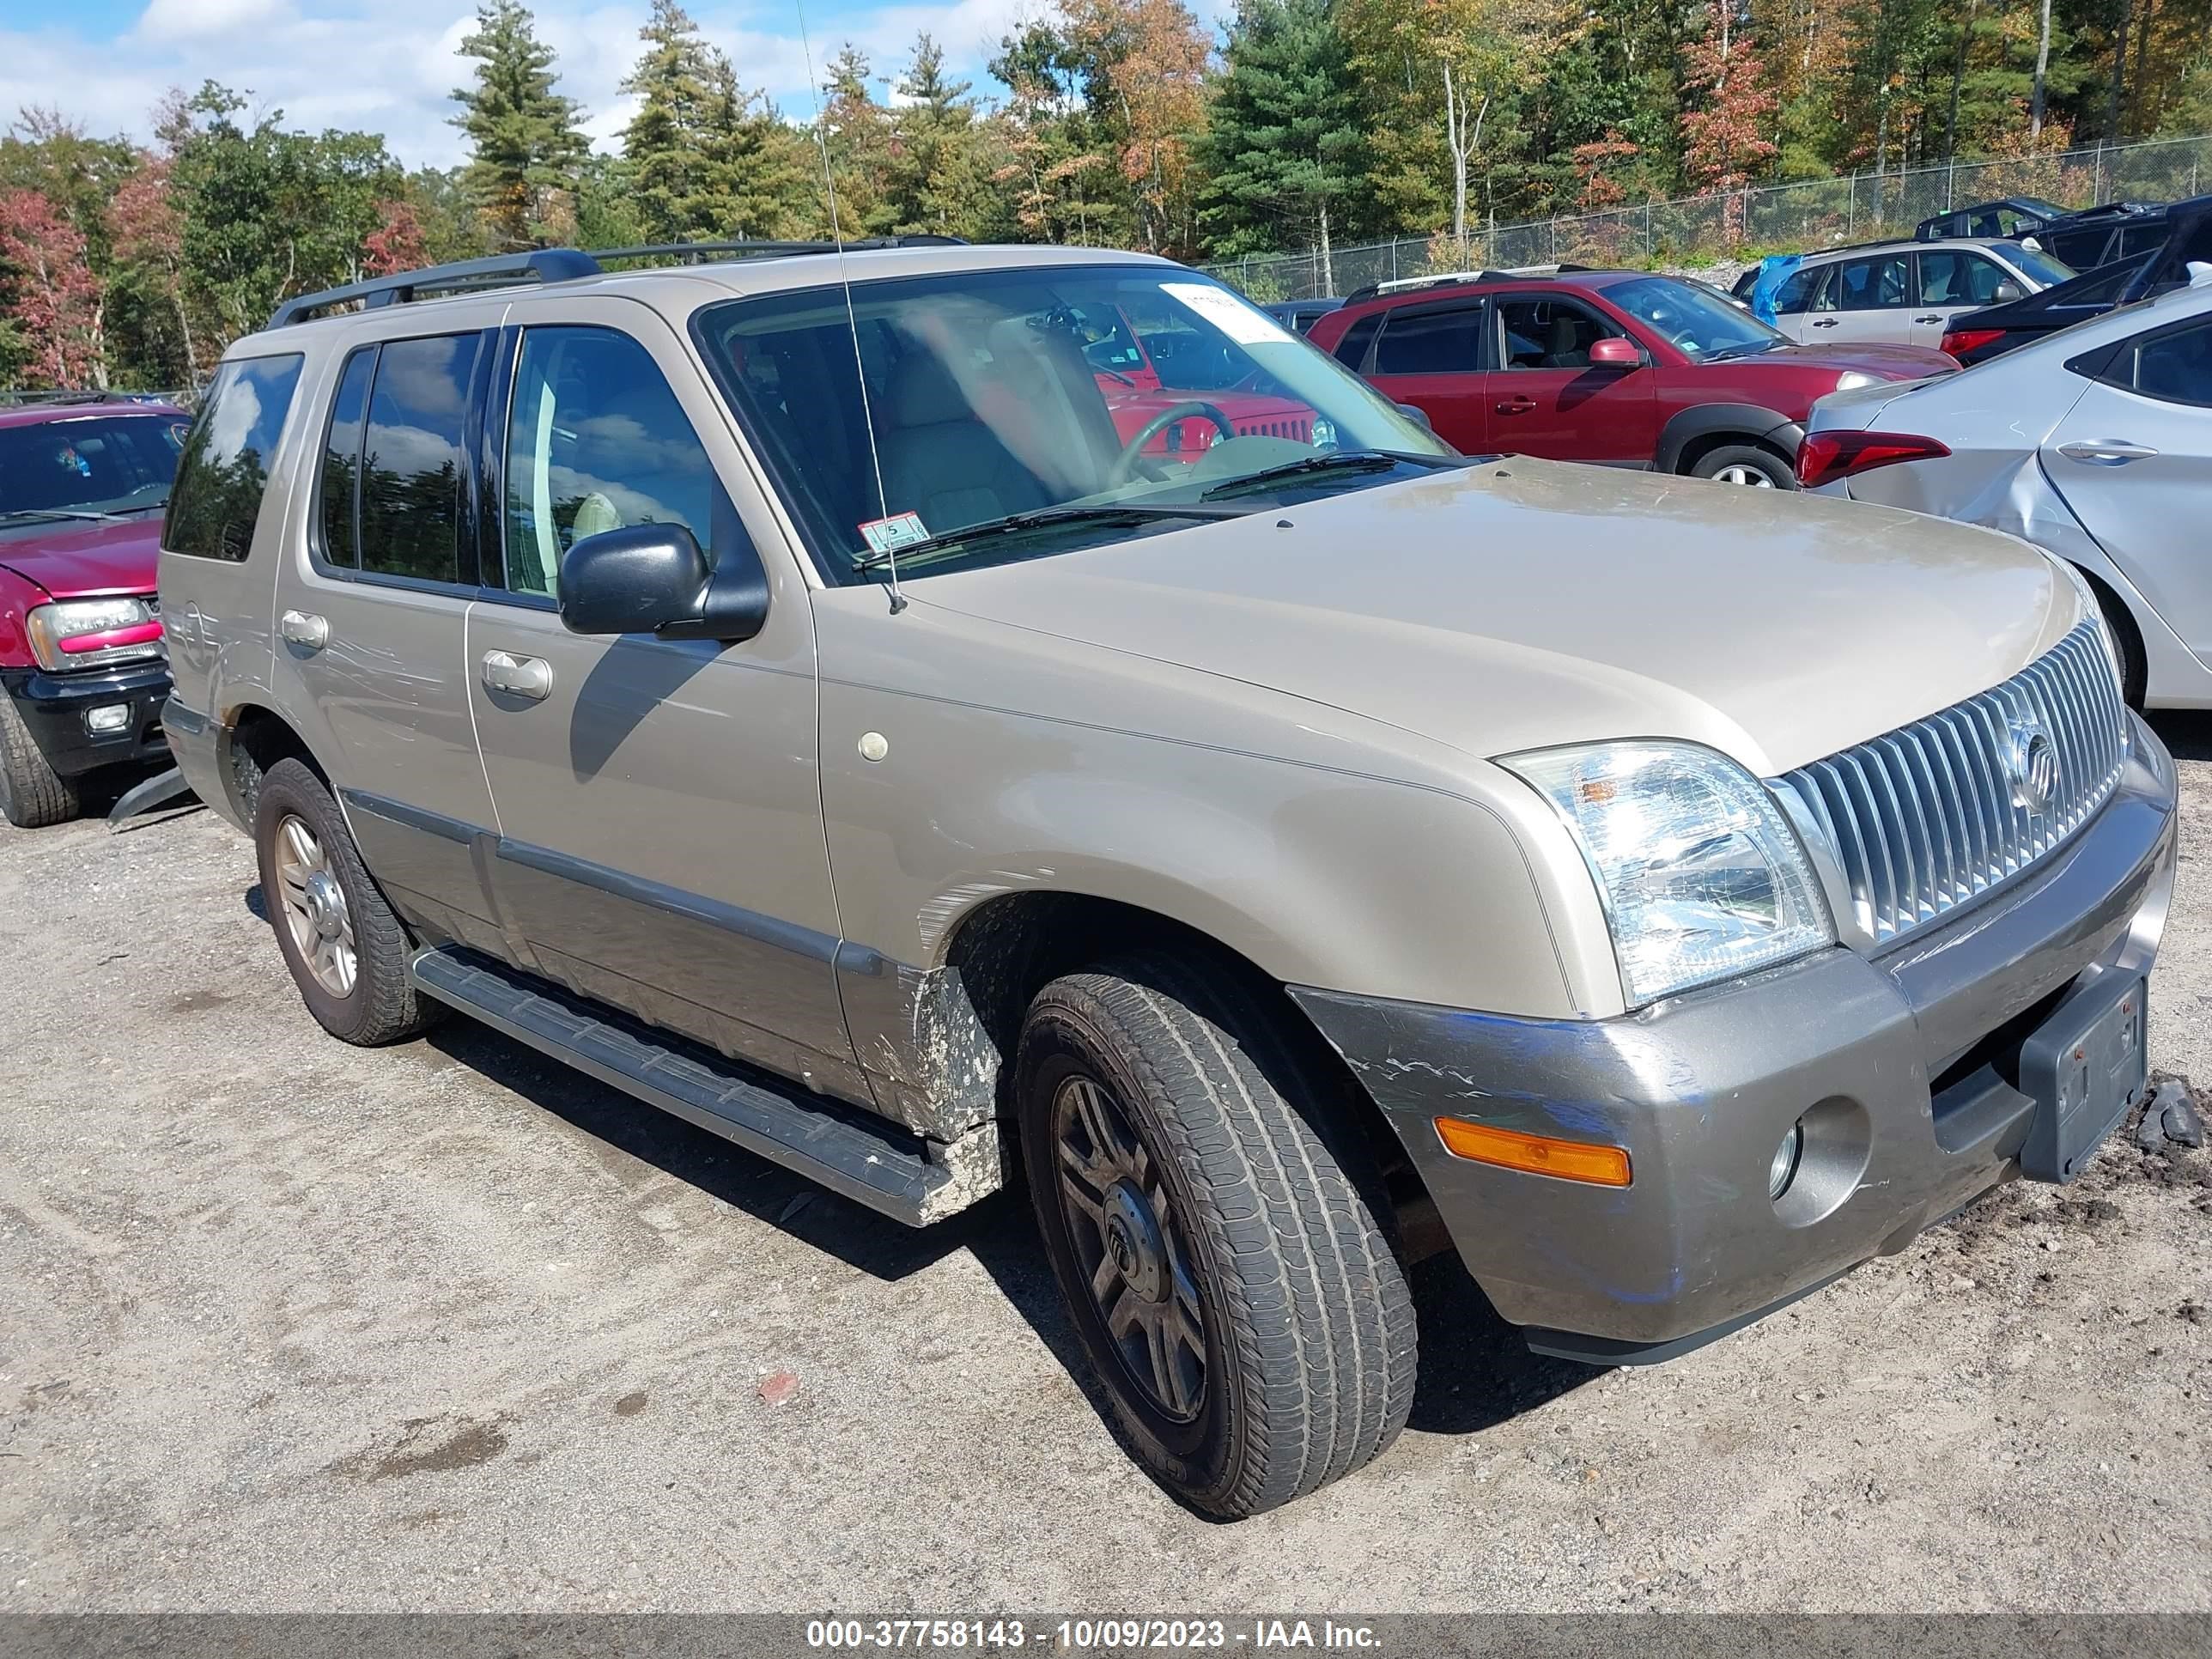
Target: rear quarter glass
(224, 472)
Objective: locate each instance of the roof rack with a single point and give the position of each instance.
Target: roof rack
(49, 399)
(553, 265)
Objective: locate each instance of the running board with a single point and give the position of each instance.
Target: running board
(912, 1181)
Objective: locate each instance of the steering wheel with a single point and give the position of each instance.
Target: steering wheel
(1124, 464)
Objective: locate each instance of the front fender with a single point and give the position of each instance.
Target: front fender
(1751, 421)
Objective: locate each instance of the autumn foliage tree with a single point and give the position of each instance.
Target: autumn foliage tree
(57, 304)
(1724, 138)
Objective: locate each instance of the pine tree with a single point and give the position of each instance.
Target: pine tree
(934, 179)
(526, 151)
(1287, 146)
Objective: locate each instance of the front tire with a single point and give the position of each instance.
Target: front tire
(33, 795)
(1746, 464)
(1229, 1283)
(347, 951)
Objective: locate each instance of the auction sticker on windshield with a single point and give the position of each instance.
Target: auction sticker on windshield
(889, 535)
(1239, 321)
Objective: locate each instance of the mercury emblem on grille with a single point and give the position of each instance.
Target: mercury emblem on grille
(2032, 764)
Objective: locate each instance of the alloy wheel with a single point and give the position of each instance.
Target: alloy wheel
(315, 907)
(1132, 1246)
(1740, 474)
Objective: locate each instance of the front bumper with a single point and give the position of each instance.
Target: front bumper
(54, 707)
(1907, 1062)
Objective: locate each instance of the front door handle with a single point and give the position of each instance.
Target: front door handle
(518, 677)
(1932, 317)
(1824, 322)
(1517, 406)
(309, 632)
(2106, 451)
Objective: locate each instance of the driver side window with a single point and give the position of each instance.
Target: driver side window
(595, 441)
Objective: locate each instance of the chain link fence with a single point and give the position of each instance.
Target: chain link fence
(1700, 230)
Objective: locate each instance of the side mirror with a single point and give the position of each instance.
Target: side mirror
(1616, 353)
(653, 579)
(1417, 415)
(2007, 289)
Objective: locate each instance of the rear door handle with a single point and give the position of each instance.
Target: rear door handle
(1824, 322)
(518, 677)
(1932, 317)
(309, 632)
(2106, 451)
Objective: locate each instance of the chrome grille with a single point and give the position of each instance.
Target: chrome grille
(1924, 818)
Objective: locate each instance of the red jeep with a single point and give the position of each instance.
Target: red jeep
(82, 664)
(1146, 366)
(1617, 367)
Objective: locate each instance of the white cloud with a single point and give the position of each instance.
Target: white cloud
(389, 66)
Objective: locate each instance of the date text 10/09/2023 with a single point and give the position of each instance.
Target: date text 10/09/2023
(1075, 1636)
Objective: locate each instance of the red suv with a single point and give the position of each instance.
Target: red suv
(1155, 372)
(1616, 367)
(83, 670)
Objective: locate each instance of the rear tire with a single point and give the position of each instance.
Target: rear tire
(1746, 464)
(347, 951)
(33, 795)
(1251, 1328)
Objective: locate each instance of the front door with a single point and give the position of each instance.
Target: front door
(1431, 357)
(1955, 280)
(1547, 398)
(2133, 458)
(371, 613)
(659, 812)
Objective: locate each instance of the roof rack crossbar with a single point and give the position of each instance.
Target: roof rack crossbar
(750, 249)
(544, 265)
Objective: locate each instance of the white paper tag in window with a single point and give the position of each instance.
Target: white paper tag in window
(889, 535)
(1231, 315)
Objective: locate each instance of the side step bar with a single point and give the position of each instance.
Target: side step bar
(909, 1180)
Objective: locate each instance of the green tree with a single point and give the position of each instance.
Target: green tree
(526, 151)
(1287, 148)
(934, 181)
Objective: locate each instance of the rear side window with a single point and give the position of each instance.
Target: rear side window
(1352, 349)
(2174, 367)
(2141, 239)
(224, 472)
(410, 465)
(2084, 250)
(1431, 343)
(1796, 294)
(341, 461)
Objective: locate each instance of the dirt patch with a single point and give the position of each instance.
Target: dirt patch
(431, 1445)
(630, 1404)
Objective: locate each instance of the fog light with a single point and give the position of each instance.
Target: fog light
(107, 718)
(1784, 1169)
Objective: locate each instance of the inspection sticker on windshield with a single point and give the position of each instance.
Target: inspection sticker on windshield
(900, 530)
(1239, 321)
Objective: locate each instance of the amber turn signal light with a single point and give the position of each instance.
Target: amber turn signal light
(1510, 1149)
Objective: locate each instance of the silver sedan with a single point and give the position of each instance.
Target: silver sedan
(2095, 444)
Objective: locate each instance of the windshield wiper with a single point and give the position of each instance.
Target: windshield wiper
(1343, 460)
(1748, 349)
(1039, 518)
(56, 512)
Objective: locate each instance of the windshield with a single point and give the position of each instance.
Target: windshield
(1702, 325)
(85, 465)
(2046, 267)
(965, 399)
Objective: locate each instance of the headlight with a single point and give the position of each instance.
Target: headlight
(1851, 380)
(86, 633)
(1701, 876)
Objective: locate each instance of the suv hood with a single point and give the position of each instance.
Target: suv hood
(1509, 607)
(73, 559)
(1892, 363)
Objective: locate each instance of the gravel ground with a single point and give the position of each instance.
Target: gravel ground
(291, 1325)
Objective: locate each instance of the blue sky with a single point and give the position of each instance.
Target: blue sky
(388, 65)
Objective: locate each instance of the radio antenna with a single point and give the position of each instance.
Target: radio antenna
(845, 283)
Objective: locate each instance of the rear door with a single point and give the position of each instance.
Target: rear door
(2133, 458)
(371, 612)
(1547, 398)
(1430, 356)
(1867, 298)
(660, 840)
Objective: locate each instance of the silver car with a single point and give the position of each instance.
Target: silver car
(2094, 443)
(1906, 293)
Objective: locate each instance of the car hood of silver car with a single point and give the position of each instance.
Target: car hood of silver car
(1519, 604)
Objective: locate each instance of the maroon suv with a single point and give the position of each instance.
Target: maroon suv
(83, 670)
(1616, 367)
